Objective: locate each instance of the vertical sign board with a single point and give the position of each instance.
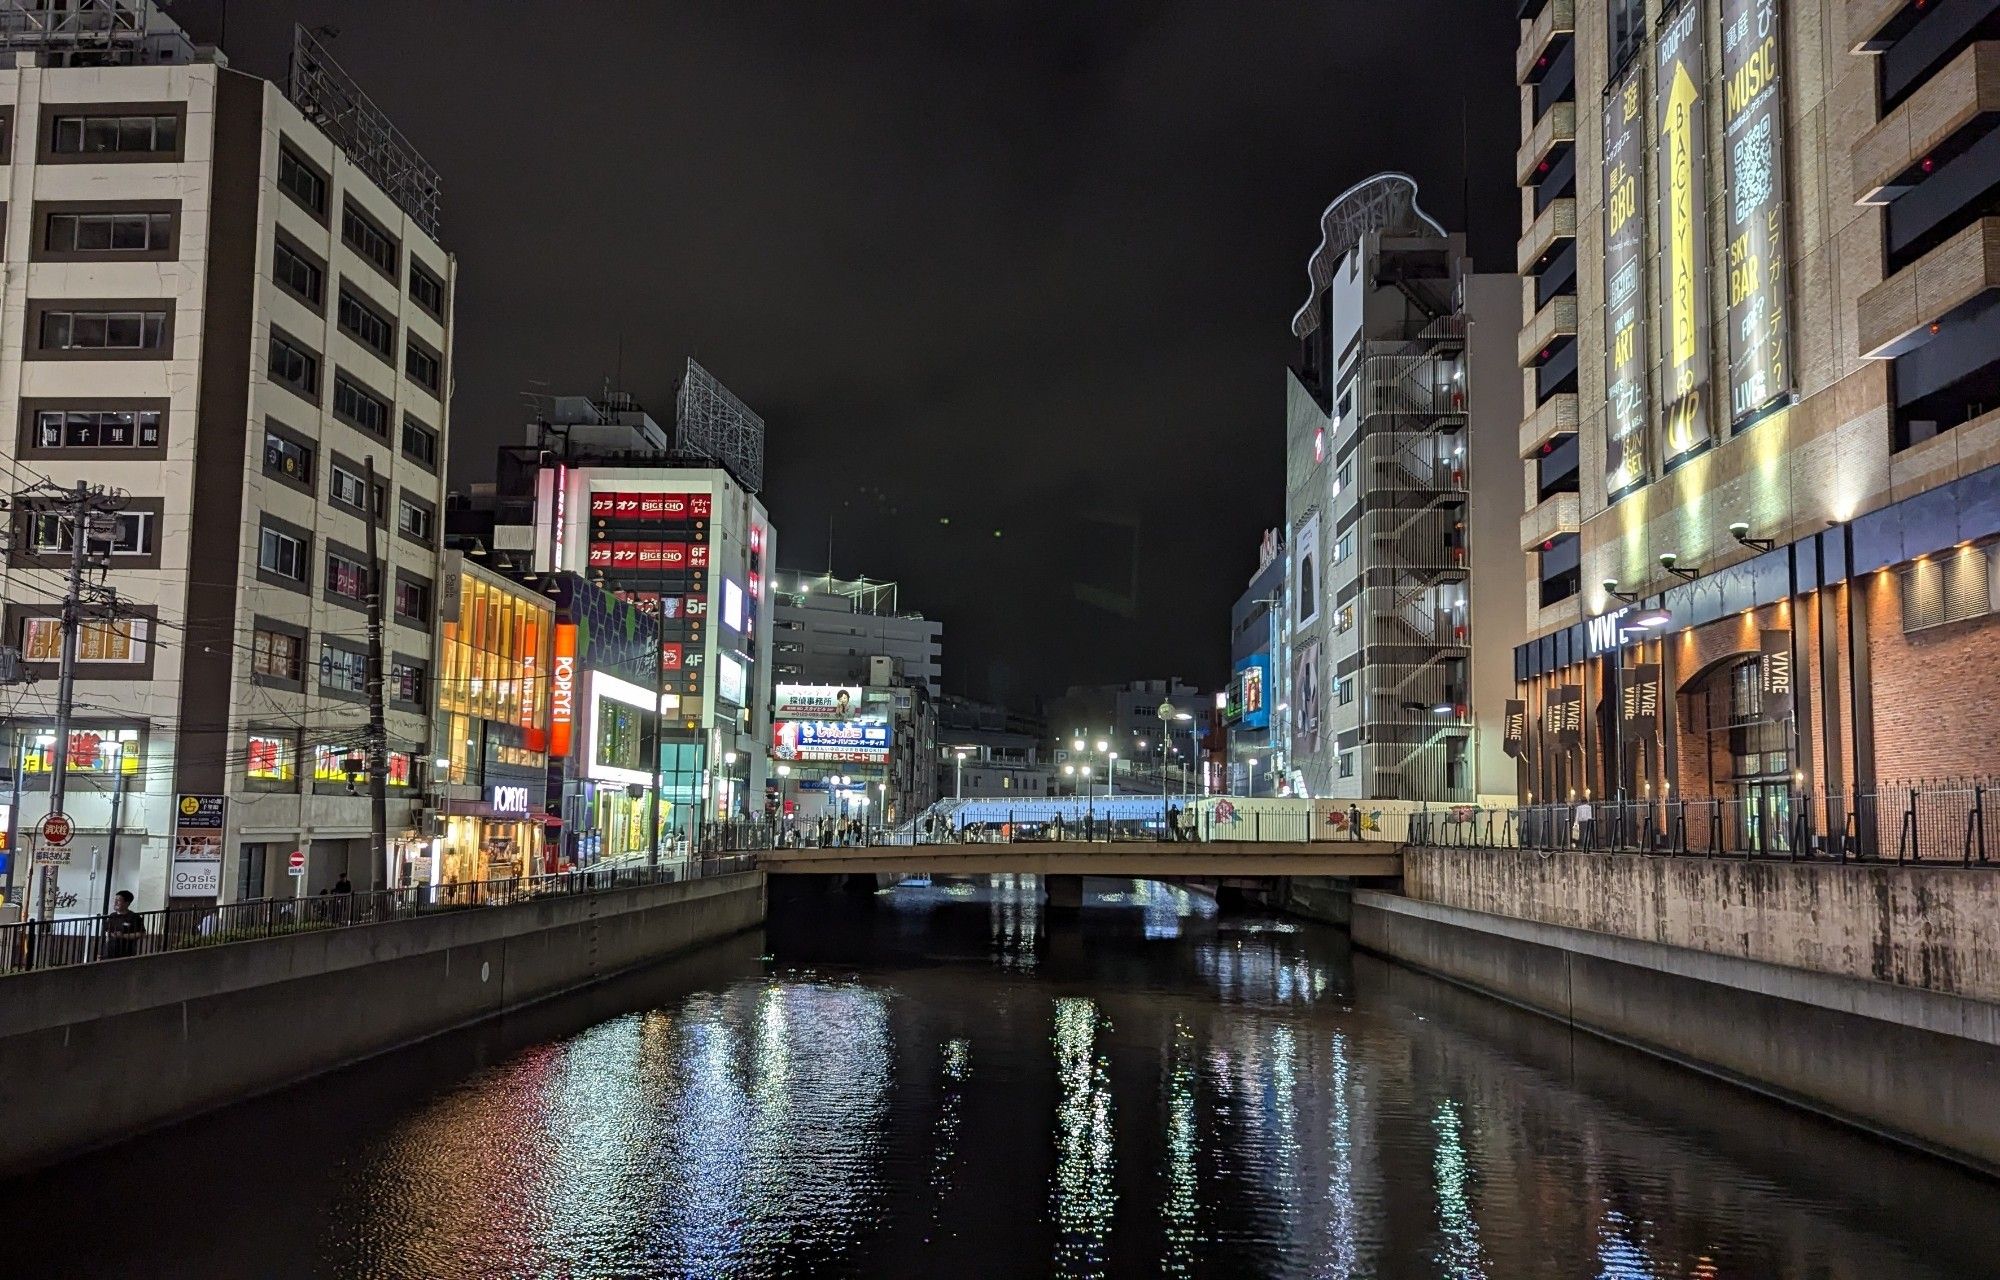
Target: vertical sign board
(1760, 367)
(1626, 405)
(197, 863)
(1681, 169)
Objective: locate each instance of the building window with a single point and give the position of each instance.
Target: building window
(1344, 688)
(424, 368)
(426, 290)
(346, 577)
(346, 486)
(281, 554)
(1347, 764)
(289, 458)
(406, 682)
(277, 656)
(272, 758)
(1628, 30)
(1954, 587)
(98, 429)
(413, 601)
(1560, 570)
(359, 406)
(109, 233)
(298, 274)
(365, 324)
(1343, 619)
(342, 670)
(301, 181)
(420, 443)
(105, 331)
(121, 640)
(361, 234)
(133, 536)
(415, 519)
(294, 366)
(81, 135)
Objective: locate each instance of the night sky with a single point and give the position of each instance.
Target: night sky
(1025, 267)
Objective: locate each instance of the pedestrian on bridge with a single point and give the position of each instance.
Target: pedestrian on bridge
(1353, 822)
(1173, 824)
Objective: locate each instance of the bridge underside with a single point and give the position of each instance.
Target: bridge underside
(1075, 858)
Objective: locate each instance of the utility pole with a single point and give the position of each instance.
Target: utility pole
(378, 732)
(80, 508)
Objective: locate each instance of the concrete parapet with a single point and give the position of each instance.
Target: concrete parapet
(1936, 928)
(98, 1052)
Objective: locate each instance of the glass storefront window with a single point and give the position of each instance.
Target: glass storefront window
(91, 751)
(272, 758)
(495, 661)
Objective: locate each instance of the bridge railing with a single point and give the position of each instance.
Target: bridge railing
(49, 944)
(1944, 822)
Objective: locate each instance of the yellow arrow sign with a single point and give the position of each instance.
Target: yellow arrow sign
(1679, 128)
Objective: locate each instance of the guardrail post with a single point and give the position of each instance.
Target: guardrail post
(1975, 824)
(1906, 842)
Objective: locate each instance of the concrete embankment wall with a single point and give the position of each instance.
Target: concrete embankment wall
(1842, 989)
(98, 1052)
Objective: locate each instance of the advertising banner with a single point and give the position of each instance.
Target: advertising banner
(1253, 679)
(1566, 715)
(1775, 673)
(1639, 697)
(1681, 167)
(1516, 728)
(1305, 572)
(816, 702)
(1627, 406)
(836, 741)
(1305, 700)
(1760, 366)
(562, 690)
(732, 681)
(197, 862)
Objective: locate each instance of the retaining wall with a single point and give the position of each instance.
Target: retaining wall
(1933, 927)
(99, 1051)
(1766, 975)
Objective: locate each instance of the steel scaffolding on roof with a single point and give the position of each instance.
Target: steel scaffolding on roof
(330, 99)
(711, 422)
(94, 33)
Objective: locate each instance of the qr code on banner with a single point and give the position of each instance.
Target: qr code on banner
(1752, 162)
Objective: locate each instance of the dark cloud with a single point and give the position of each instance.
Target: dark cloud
(1022, 267)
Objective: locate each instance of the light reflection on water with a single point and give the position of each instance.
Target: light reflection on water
(943, 1081)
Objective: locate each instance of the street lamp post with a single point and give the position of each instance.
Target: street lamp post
(1251, 788)
(785, 792)
(1166, 711)
(958, 786)
(1110, 772)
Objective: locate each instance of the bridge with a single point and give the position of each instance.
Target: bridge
(1137, 859)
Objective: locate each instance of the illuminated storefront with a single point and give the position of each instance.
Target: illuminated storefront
(493, 725)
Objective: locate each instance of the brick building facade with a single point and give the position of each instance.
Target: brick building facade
(1761, 359)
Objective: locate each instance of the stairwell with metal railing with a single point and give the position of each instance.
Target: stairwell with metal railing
(1414, 597)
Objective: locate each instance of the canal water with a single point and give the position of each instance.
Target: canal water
(943, 1081)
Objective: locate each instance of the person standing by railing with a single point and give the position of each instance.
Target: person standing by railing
(122, 928)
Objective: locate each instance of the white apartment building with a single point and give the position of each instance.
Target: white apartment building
(1399, 484)
(230, 315)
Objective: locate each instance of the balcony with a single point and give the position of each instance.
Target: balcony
(1957, 96)
(1553, 417)
(1865, 20)
(1557, 514)
(1556, 320)
(1894, 316)
(1556, 128)
(1550, 227)
(1556, 20)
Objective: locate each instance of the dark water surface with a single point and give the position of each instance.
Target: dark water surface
(941, 1082)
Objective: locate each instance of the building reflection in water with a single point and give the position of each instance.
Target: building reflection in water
(1460, 1256)
(955, 1071)
(1082, 1196)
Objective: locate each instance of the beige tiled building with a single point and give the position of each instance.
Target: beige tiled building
(1760, 272)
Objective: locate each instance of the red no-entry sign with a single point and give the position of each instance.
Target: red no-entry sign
(297, 864)
(56, 829)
